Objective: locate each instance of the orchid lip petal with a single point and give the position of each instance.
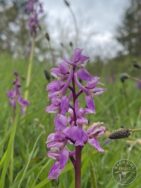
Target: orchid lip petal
(94, 142)
(76, 134)
(59, 165)
(60, 122)
(54, 171)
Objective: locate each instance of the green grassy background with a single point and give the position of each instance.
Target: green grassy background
(118, 107)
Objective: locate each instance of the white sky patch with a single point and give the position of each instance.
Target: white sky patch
(105, 37)
(97, 21)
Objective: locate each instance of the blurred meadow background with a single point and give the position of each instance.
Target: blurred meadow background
(110, 34)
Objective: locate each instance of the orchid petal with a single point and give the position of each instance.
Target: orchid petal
(77, 135)
(54, 171)
(94, 142)
(90, 107)
(83, 74)
(98, 91)
(60, 122)
(64, 105)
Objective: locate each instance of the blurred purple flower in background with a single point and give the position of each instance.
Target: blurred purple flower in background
(14, 95)
(138, 83)
(34, 9)
(72, 80)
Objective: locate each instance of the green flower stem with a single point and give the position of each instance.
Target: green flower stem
(78, 150)
(11, 167)
(29, 70)
(135, 130)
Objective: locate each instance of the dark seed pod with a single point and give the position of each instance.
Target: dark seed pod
(120, 133)
(124, 77)
(71, 44)
(16, 74)
(137, 66)
(47, 75)
(61, 44)
(47, 36)
(67, 3)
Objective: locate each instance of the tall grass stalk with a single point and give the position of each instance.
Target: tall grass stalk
(29, 159)
(93, 177)
(7, 159)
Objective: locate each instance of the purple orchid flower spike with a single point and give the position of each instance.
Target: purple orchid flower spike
(14, 95)
(34, 9)
(72, 80)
